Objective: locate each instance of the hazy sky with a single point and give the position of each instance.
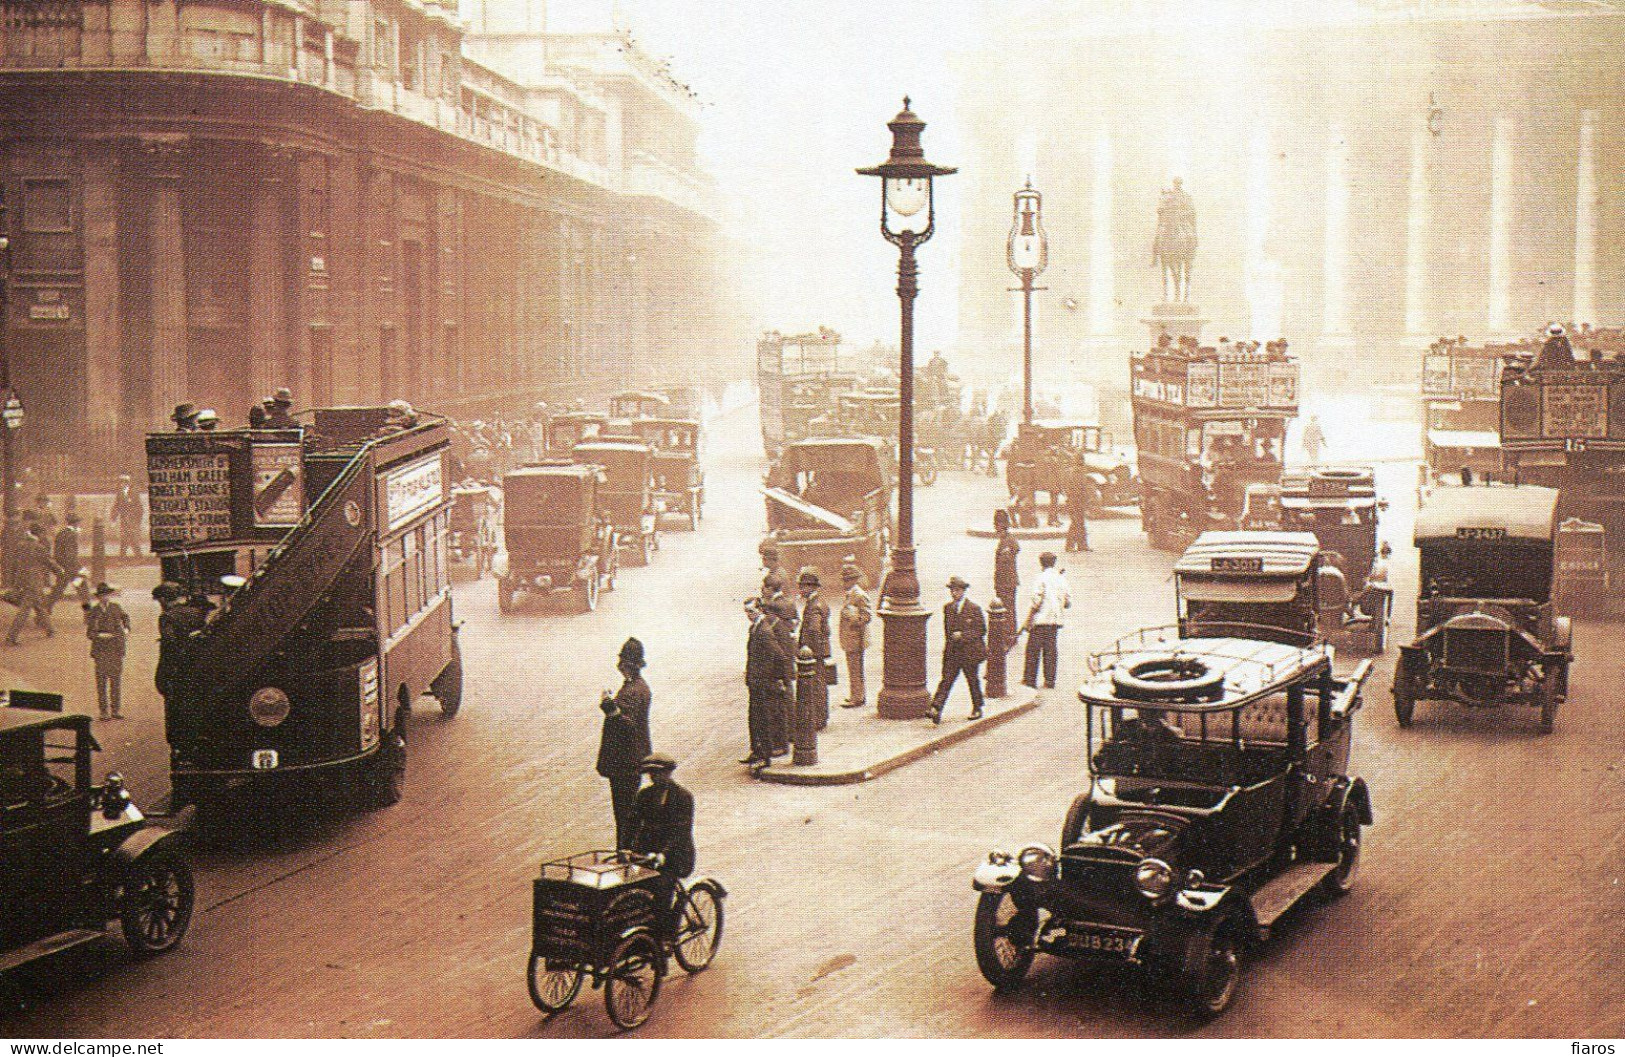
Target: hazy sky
(796, 96)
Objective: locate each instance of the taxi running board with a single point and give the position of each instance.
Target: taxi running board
(1279, 896)
(50, 945)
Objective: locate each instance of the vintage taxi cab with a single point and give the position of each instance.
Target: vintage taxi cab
(679, 480)
(1487, 632)
(627, 493)
(1340, 506)
(556, 535)
(1219, 797)
(1262, 585)
(75, 855)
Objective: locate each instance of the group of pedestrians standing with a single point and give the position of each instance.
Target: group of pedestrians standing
(779, 631)
(1046, 613)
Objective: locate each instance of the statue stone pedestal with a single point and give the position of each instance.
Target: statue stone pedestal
(1177, 319)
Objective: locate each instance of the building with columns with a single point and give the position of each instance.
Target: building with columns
(1368, 174)
(360, 199)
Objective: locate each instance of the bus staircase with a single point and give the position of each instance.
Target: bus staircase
(294, 580)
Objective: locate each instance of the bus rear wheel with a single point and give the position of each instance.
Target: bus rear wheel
(448, 685)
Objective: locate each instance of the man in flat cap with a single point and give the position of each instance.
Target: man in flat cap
(625, 739)
(663, 818)
(963, 650)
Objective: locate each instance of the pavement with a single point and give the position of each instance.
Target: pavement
(1490, 900)
(859, 746)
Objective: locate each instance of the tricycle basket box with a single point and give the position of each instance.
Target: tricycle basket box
(583, 905)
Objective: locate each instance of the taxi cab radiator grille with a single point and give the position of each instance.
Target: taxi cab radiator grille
(1476, 649)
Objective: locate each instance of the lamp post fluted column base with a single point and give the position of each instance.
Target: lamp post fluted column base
(903, 695)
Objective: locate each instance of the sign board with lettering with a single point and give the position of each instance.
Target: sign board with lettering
(279, 494)
(1202, 385)
(1574, 411)
(1244, 384)
(413, 489)
(189, 498)
(221, 488)
(1283, 385)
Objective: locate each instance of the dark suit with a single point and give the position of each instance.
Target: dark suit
(764, 668)
(36, 571)
(1006, 578)
(963, 654)
(784, 634)
(815, 636)
(663, 824)
(621, 748)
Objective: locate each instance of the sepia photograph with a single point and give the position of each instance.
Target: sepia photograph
(566, 520)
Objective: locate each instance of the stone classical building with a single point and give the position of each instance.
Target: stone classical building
(360, 199)
(1368, 174)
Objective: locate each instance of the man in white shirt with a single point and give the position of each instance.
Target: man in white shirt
(1051, 599)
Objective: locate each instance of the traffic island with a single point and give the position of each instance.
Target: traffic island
(858, 745)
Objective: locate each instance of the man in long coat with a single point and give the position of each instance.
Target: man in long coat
(625, 739)
(785, 619)
(1006, 576)
(36, 572)
(964, 648)
(764, 671)
(127, 513)
(814, 633)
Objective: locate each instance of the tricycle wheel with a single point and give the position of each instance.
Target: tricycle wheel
(699, 928)
(588, 590)
(612, 564)
(156, 905)
(1341, 880)
(1004, 940)
(552, 989)
(634, 981)
(1214, 985)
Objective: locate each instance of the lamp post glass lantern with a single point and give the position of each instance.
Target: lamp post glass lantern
(907, 219)
(1027, 253)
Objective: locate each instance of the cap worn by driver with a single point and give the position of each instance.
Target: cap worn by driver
(657, 761)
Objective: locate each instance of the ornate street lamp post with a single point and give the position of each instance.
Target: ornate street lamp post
(907, 218)
(1027, 253)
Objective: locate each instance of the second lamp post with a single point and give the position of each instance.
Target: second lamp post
(907, 218)
(1027, 253)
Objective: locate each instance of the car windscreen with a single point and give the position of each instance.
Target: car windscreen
(1486, 569)
(1259, 592)
(1215, 746)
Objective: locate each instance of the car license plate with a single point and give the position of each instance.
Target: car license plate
(265, 759)
(1104, 941)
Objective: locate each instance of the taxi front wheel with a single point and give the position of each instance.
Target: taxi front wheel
(1004, 940)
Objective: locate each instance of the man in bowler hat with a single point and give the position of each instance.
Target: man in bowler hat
(625, 739)
(963, 651)
(814, 632)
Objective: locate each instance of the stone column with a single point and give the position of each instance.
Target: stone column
(1334, 312)
(169, 347)
(1418, 223)
(267, 292)
(1499, 318)
(104, 388)
(1585, 223)
(1102, 274)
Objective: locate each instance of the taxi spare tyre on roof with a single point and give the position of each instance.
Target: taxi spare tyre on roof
(1168, 678)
